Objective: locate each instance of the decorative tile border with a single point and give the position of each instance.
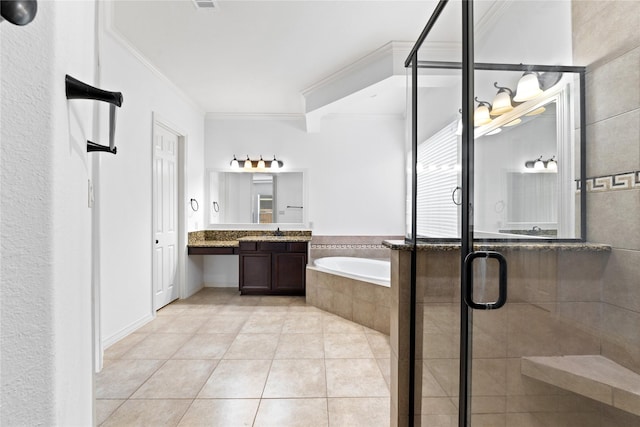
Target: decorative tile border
(621, 181)
(347, 246)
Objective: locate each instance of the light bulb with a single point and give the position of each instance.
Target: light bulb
(552, 165)
(502, 101)
(528, 87)
(481, 115)
(538, 165)
(274, 164)
(261, 164)
(247, 164)
(234, 163)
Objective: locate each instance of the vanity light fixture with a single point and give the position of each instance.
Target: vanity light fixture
(481, 114)
(528, 87)
(536, 111)
(540, 165)
(234, 163)
(249, 165)
(495, 131)
(502, 101)
(261, 164)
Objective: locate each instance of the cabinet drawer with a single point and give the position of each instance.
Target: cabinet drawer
(297, 246)
(273, 246)
(248, 246)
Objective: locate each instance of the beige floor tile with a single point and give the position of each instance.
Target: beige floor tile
(365, 412)
(155, 413)
(260, 323)
(205, 346)
(224, 323)
(302, 323)
(125, 344)
(338, 325)
(253, 346)
(346, 346)
(120, 378)
(300, 346)
(292, 413)
(176, 379)
(221, 412)
(237, 379)
(106, 407)
(155, 325)
(355, 378)
(157, 346)
(183, 324)
(296, 378)
(379, 344)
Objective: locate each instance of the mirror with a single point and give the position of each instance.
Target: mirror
(256, 198)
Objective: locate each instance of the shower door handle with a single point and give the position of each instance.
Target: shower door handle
(468, 280)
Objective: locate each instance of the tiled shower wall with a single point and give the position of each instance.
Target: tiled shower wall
(606, 39)
(351, 246)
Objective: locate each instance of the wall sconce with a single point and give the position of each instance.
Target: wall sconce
(481, 114)
(528, 87)
(550, 165)
(251, 165)
(502, 101)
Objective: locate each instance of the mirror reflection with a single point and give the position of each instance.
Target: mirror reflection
(256, 198)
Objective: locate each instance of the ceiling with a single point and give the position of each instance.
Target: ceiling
(248, 57)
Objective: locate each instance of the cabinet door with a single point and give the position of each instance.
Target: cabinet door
(255, 273)
(289, 270)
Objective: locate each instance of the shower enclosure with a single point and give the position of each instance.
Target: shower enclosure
(504, 288)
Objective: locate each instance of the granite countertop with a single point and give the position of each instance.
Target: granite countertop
(232, 238)
(214, 244)
(401, 245)
(275, 239)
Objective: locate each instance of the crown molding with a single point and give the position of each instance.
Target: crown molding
(360, 64)
(107, 27)
(253, 116)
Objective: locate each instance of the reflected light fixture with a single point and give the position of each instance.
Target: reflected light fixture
(540, 165)
(481, 114)
(536, 111)
(261, 164)
(502, 101)
(513, 122)
(495, 131)
(528, 87)
(552, 165)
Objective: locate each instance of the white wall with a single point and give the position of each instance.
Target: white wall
(45, 228)
(355, 166)
(125, 186)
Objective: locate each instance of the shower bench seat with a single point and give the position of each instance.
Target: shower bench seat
(595, 377)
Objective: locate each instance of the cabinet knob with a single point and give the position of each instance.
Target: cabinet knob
(156, 241)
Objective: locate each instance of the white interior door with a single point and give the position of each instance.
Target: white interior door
(165, 216)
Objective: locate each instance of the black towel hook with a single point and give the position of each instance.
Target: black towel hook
(75, 89)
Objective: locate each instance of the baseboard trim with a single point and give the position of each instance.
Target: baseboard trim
(106, 343)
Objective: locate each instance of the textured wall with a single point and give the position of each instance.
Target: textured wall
(45, 227)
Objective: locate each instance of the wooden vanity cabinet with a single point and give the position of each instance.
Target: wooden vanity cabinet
(273, 268)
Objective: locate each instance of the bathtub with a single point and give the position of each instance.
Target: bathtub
(373, 270)
(356, 289)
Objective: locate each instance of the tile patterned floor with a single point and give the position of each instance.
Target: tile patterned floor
(221, 359)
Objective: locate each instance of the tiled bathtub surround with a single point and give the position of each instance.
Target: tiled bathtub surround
(620, 181)
(351, 246)
(554, 308)
(362, 302)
